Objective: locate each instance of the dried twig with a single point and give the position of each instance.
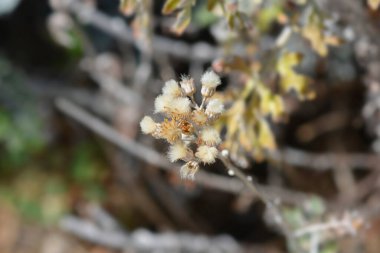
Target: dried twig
(117, 28)
(325, 161)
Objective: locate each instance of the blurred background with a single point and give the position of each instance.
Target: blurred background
(77, 175)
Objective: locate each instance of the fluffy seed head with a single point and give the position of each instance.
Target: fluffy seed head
(210, 136)
(170, 131)
(199, 117)
(210, 79)
(187, 85)
(180, 105)
(214, 107)
(207, 92)
(148, 126)
(189, 169)
(178, 151)
(172, 89)
(162, 103)
(206, 154)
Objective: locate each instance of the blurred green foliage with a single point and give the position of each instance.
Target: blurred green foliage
(39, 178)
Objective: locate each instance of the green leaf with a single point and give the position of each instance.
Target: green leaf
(211, 4)
(182, 21)
(290, 79)
(266, 138)
(270, 103)
(231, 21)
(170, 6)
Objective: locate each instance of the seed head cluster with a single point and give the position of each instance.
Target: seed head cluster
(187, 125)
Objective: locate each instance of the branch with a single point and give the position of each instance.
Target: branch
(143, 240)
(325, 161)
(117, 28)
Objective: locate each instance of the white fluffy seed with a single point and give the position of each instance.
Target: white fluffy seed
(206, 154)
(171, 88)
(210, 79)
(210, 136)
(214, 107)
(177, 151)
(148, 125)
(162, 103)
(180, 105)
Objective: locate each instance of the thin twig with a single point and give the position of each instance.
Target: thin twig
(325, 161)
(117, 28)
(272, 207)
(143, 240)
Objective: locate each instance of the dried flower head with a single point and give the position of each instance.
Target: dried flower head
(187, 85)
(189, 169)
(178, 151)
(148, 126)
(210, 136)
(214, 107)
(180, 106)
(186, 125)
(210, 80)
(162, 104)
(171, 88)
(199, 117)
(206, 154)
(170, 131)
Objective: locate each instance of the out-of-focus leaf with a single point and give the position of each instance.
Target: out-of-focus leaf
(211, 4)
(234, 63)
(294, 217)
(84, 169)
(203, 17)
(128, 7)
(313, 31)
(330, 247)
(267, 16)
(290, 79)
(265, 138)
(234, 114)
(182, 21)
(231, 21)
(315, 207)
(170, 6)
(271, 104)
(314, 34)
(373, 4)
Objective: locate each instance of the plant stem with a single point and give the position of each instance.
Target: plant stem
(272, 207)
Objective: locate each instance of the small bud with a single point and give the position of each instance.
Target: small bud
(171, 89)
(210, 136)
(214, 107)
(207, 91)
(187, 85)
(206, 154)
(209, 81)
(189, 169)
(148, 126)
